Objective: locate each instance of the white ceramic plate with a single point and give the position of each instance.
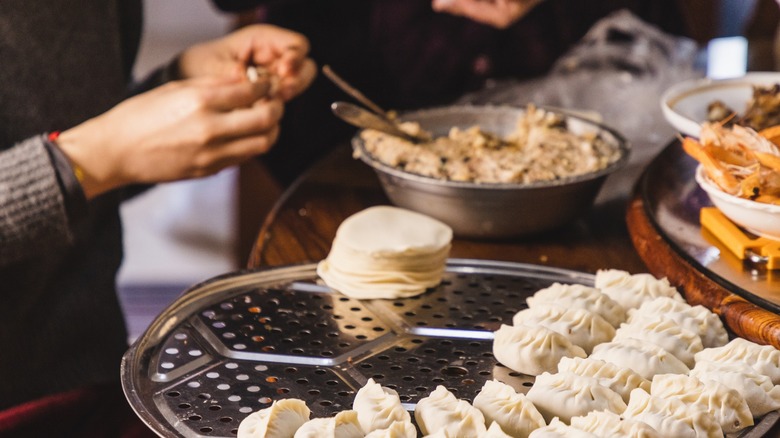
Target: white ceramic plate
(757, 217)
(684, 105)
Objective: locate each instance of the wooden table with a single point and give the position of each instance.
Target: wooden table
(302, 225)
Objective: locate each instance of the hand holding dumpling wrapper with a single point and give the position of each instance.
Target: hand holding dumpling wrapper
(386, 252)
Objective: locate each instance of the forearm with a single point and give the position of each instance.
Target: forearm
(33, 213)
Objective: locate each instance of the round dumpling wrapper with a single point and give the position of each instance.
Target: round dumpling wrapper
(393, 230)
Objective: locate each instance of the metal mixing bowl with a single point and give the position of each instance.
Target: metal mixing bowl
(493, 210)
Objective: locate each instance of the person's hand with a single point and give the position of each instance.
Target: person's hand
(497, 13)
(281, 52)
(183, 129)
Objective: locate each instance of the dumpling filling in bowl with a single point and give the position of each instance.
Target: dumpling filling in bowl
(541, 148)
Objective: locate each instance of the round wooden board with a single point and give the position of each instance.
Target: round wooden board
(666, 191)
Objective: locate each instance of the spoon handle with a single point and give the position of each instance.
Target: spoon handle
(363, 118)
(352, 91)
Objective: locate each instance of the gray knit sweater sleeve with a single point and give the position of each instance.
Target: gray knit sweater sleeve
(32, 206)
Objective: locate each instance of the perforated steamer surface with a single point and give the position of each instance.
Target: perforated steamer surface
(234, 344)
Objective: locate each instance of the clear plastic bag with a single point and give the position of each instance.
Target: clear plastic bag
(619, 70)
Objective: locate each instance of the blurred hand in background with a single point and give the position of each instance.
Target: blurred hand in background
(497, 13)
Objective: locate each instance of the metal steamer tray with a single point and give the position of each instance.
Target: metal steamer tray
(234, 344)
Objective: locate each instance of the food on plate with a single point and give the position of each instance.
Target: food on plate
(621, 380)
(512, 411)
(727, 405)
(566, 395)
(386, 252)
(280, 420)
(442, 411)
(772, 134)
(645, 359)
(342, 425)
(580, 297)
(665, 333)
(583, 328)
(671, 417)
(631, 290)
(697, 319)
(718, 111)
(378, 407)
(606, 424)
(541, 148)
(761, 395)
(765, 359)
(761, 111)
(532, 349)
(739, 161)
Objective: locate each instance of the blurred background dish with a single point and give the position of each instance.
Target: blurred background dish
(759, 218)
(684, 105)
(494, 210)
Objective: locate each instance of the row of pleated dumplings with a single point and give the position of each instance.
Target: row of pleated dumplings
(626, 358)
(629, 357)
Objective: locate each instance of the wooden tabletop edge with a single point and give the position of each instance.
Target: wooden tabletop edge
(742, 317)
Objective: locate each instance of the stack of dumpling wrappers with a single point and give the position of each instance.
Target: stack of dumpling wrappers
(386, 252)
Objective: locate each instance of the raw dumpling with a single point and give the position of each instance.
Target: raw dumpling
(557, 429)
(399, 429)
(566, 395)
(761, 395)
(671, 417)
(342, 425)
(441, 410)
(532, 349)
(645, 359)
(501, 405)
(608, 424)
(665, 333)
(619, 379)
(630, 291)
(727, 405)
(578, 296)
(495, 431)
(697, 319)
(378, 407)
(765, 359)
(582, 327)
(280, 420)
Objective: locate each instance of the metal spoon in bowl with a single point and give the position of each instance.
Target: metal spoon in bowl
(363, 118)
(354, 92)
(372, 118)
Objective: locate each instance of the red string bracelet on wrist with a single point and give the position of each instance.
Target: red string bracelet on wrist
(77, 172)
